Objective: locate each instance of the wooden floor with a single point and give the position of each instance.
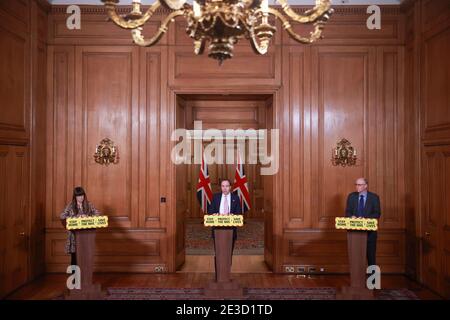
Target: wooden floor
(249, 271)
(50, 286)
(241, 264)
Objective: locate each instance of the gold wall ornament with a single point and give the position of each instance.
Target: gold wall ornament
(106, 152)
(344, 154)
(222, 23)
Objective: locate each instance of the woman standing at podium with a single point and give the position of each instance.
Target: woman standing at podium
(78, 207)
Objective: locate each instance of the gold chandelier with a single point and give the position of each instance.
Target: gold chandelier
(223, 22)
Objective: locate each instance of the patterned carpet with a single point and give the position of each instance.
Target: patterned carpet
(250, 239)
(249, 294)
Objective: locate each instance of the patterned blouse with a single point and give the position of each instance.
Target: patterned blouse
(70, 213)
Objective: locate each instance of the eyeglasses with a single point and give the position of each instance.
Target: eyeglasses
(360, 184)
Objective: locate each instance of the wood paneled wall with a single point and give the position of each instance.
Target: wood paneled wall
(353, 92)
(113, 92)
(428, 142)
(350, 85)
(62, 91)
(23, 58)
(102, 86)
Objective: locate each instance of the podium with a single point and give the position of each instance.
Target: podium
(85, 252)
(223, 286)
(357, 229)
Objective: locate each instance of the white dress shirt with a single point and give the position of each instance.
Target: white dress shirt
(222, 202)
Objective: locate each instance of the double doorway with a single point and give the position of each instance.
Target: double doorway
(194, 247)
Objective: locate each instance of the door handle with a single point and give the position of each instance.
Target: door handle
(427, 234)
(22, 234)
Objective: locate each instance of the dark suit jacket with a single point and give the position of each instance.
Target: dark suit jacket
(372, 209)
(214, 207)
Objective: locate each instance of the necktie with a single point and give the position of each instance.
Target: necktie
(360, 212)
(225, 205)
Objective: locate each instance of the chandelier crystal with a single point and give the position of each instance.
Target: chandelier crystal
(221, 23)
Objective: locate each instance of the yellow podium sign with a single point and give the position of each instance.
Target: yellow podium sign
(91, 222)
(363, 224)
(216, 220)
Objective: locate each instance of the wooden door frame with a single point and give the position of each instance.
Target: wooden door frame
(24, 209)
(276, 93)
(439, 228)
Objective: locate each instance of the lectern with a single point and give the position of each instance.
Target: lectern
(223, 286)
(85, 251)
(357, 229)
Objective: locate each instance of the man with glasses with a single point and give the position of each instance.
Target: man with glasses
(365, 204)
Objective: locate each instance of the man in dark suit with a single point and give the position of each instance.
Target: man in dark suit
(225, 203)
(365, 204)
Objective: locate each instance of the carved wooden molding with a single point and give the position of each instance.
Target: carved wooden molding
(100, 10)
(340, 10)
(353, 10)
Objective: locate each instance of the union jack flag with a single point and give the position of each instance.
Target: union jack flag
(240, 185)
(204, 192)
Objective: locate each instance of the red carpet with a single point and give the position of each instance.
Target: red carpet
(250, 239)
(249, 294)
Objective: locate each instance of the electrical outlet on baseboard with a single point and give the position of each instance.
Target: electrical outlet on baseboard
(289, 269)
(160, 268)
(301, 269)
